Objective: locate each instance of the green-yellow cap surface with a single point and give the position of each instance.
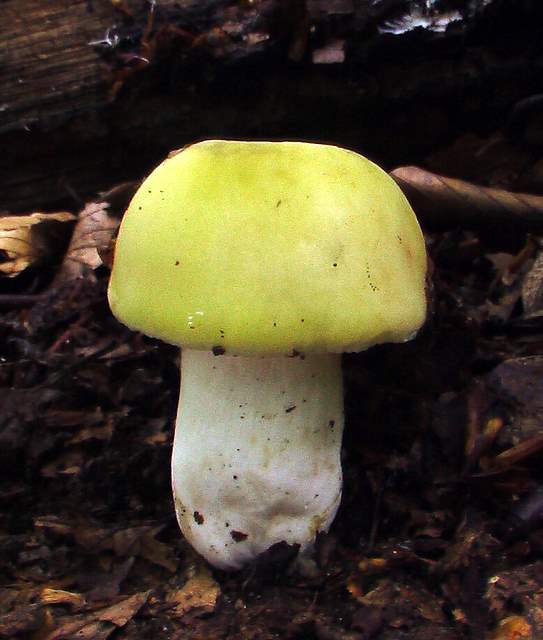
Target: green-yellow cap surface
(270, 247)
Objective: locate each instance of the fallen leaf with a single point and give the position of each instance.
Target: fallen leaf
(332, 53)
(520, 585)
(200, 593)
(102, 432)
(21, 620)
(105, 585)
(92, 235)
(59, 596)
(141, 541)
(82, 628)
(532, 287)
(69, 463)
(54, 525)
(381, 596)
(432, 610)
(518, 383)
(121, 612)
(512, 628)
(99, 625)
(29, 240)
(133, 541)
(67, 419)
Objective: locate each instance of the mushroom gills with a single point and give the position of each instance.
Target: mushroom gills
(256, 457)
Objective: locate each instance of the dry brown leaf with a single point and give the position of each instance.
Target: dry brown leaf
(332, 53)
(92, 235)
(54, 525)
(431, 609)
(121, 612)
(459, 616)
(22, 620)
(354, 588)
(532, 287)
(99, 625)
(157, 439)
(67, 464)
(519, 585)
(519, 383)
(122, 6)
(67, 419)
(93, 538)
(59, 596)
(157, 552)
(200, 593)
(133, 541)
(82, 628)
(107, 585)
(512, 628)
(372, 566)
(381, 596)
(29, 240)
(101, 432)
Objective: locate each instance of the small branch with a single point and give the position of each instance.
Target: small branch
(16, 300)
(442, 203)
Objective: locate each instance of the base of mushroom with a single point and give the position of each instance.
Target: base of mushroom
(256, 458)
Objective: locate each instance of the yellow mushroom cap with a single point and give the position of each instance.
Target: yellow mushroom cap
(270, 247)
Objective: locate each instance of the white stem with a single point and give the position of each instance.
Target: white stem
(256, 457)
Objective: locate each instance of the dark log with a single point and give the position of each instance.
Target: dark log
(94, 92)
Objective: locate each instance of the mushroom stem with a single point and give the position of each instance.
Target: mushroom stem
(256, 457)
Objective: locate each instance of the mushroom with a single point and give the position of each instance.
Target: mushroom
(265, 261)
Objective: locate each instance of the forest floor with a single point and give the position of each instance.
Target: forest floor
(438, 533)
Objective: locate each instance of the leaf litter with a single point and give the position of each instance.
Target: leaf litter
(440, 529)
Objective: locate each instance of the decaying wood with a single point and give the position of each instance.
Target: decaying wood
(93, 92)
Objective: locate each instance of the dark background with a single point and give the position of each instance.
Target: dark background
(94, 92)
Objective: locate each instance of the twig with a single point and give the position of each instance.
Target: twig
(14, 300)
(442, 203)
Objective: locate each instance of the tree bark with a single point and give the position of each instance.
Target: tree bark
(94, 92)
